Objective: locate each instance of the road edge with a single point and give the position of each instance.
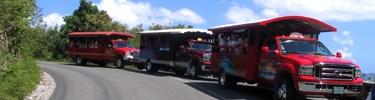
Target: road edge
(44, 89)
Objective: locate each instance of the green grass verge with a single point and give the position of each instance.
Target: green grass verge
(19, 79)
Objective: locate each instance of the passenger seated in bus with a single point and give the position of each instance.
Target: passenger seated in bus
(223, 40)
(223, 43)
(234, 44)
(244, 45)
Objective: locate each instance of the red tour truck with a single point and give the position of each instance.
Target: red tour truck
(283, 54)
(102, 47)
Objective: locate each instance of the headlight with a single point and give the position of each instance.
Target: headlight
(357, 72)
(306, 70)
(206, 58)
(128, 55)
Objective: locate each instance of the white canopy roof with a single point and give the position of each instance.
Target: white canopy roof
(176, 31)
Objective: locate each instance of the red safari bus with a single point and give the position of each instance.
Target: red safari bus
(102, 47)
(283, 54)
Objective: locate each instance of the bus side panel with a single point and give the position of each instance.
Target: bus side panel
(252, 63)
(215, 60)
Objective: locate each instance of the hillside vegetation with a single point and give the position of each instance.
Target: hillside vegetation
(25, 38)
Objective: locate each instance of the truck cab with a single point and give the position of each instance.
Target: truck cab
(181, 50)
(284, 55)
(102, 47)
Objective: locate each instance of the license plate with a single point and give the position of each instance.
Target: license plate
(338, 90)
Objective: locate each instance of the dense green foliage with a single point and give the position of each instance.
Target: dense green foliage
(87, 18)
(19, 79)
(24, 37)
(20, 74)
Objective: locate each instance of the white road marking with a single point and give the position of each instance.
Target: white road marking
(179, 79)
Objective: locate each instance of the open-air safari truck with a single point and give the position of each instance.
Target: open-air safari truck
(283, 54)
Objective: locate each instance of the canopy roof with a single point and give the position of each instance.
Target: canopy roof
(281, 22)
(176, 31)
(125, 34)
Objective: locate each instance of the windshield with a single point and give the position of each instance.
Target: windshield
(122, 44)
(289, 46)
(201, 46)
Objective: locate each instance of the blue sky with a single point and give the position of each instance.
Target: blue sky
(353, 19)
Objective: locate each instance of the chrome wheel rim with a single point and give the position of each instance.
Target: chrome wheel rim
(118, 62)
(282, 92)
(79, 60)
(148, 65)
(192, 70)
(222, 78)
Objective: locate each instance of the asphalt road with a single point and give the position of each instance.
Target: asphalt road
(102, 83)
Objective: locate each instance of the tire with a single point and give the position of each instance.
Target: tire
(226, 81)
(102, 64)
(194, 71)
(119, 63)
(150, 67)
(284, 89)
(80, 61)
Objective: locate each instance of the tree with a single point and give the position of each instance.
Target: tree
(15, 16)
(156, 27)
(117, 26)
(135, 30)
(161, 27)
(87, 18)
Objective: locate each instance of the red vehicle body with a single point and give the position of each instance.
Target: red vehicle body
(102, 47)
(283, 54)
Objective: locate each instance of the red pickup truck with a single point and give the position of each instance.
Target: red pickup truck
(102, 47)
(283, 54)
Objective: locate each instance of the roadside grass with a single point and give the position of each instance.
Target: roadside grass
(19, 79)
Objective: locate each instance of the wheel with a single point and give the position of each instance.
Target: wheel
(120, 63)
(226, 81)
(80, 61)
(194, 71)
(284, 90)
(102, 63)
(179, 72)
(150, 67)
(139, 66)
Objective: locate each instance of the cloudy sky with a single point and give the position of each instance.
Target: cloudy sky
(354, 19)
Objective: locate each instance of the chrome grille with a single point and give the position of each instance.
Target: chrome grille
(334, 71)
(135, 55)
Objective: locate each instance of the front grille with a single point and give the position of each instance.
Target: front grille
(135, 55)
(334, 71)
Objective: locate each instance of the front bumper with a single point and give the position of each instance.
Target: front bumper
(324, 88)
(130, 60)
(206, 66)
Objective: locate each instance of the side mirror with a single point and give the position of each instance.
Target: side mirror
(265, 49)
(338, 55)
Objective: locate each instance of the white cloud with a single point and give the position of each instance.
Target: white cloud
(237, 13)
(134, 13)
(53, 20)
(336, 10)
(346, 41)
(328, 10)
(345, 53)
